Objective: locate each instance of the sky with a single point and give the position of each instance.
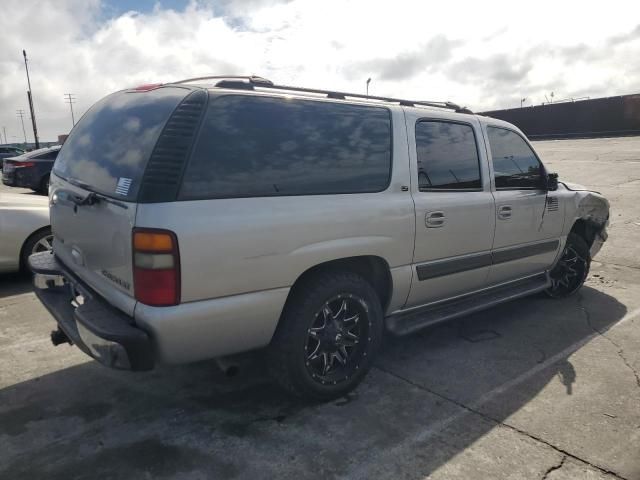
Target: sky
(481, 54)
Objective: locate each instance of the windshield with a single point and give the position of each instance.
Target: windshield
(107, 151)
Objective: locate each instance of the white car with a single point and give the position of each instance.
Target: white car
(24, 229)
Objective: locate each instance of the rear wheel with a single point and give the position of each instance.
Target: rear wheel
(44, 186)
(572, 269)
(40, 241)
(328, 336)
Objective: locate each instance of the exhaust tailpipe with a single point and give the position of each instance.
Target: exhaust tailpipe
(58, 337)
(228, 366)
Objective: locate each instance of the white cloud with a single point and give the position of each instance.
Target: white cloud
(482, 54)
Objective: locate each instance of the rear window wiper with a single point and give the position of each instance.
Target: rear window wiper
(91, 199)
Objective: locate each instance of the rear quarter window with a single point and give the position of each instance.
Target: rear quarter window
(107, 151)
(262, 146)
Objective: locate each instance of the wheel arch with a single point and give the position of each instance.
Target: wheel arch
(585, 229)
(372, 268)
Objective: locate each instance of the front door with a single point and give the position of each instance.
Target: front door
(454, 207)
(528, 218)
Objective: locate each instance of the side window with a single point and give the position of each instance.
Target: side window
(515, 166)
(447, 156)
(256, 146)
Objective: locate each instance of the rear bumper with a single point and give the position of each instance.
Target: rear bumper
(98, 329)
(23, 177)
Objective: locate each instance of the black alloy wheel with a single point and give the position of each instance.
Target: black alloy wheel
(336, 340)
(571, 271)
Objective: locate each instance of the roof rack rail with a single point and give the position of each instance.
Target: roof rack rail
(249, 82)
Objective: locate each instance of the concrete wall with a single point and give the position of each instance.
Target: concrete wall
(611, 116)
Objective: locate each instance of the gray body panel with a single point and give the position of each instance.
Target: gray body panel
(240, 257)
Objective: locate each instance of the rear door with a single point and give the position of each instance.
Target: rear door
(528, 219)
(106, 155)
(454, 208)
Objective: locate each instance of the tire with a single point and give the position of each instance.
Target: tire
(327, 338)
(33, 245)
(44, 186)
(572, 268)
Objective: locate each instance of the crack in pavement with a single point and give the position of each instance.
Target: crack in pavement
(553, 468)
(500, 423)
(619, 349)
(617, 265)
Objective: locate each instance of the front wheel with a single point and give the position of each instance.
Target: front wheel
(572, 268)
(40, 241)
(328, 336)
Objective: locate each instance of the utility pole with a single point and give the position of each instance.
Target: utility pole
(30, 97)
(20, 113)
(6, 140)
(71, 99)
(368, 82)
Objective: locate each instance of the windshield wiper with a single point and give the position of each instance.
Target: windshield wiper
(91, 199)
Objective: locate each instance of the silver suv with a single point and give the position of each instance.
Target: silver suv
(213, 216)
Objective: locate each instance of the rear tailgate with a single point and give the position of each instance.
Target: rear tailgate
(95, 183)
(95, 242)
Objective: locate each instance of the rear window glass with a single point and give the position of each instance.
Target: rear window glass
(109, 147)
(256, 146)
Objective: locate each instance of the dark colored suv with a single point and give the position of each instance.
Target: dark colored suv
(30, 170)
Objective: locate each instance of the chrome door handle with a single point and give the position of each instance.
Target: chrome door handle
(504, 212)
(434, 219)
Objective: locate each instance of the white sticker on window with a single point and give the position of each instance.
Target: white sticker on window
(122, 188)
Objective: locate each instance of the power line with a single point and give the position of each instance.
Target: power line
(71, 99)
(20, 113)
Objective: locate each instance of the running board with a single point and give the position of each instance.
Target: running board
(403, 323)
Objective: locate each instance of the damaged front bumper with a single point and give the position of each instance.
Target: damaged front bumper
(85, 320)
(593, 209)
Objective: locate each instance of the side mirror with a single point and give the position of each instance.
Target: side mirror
(552, 182)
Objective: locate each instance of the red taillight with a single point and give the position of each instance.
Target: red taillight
(156, 267)
(23, 164)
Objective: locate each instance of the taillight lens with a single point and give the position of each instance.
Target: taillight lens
(156, 267)
(23, 164)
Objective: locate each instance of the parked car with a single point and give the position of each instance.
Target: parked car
(6, 151)
(24, 229)
(205, 218)
(31, 169)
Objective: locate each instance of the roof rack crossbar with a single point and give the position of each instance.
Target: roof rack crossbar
(229, 81)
